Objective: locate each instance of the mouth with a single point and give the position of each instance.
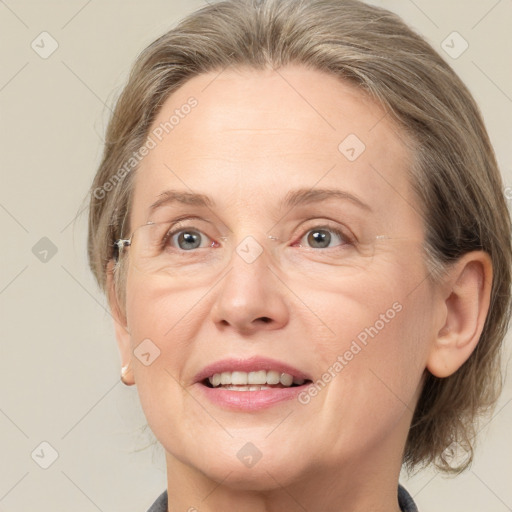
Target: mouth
(250, 384)
(253, 381)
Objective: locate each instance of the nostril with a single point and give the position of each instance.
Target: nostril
(265, 319)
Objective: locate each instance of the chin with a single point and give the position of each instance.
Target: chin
(238, 471)
(257, 478)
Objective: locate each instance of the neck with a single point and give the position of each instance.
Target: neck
(368, 483)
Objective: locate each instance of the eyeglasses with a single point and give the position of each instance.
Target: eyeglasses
(154, 250)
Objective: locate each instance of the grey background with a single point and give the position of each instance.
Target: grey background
(59, 365)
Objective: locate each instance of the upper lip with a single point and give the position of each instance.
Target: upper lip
(251, 364)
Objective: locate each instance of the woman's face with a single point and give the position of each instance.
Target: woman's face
(339, 296)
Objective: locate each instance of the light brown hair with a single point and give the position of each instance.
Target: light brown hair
(454, 174)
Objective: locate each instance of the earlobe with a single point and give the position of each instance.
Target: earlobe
(122, 332)
(466, 304)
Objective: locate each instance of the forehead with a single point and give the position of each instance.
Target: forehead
(246, 137)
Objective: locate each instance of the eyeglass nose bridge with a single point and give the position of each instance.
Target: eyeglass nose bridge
(249, 248)
(271, 237)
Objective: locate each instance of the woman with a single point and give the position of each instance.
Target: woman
(300, 226)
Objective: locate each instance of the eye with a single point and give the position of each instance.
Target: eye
(321, 237)
(188, 239)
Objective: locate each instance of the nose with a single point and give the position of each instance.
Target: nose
(251, 296)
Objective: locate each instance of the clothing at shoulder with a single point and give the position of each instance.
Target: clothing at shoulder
(404, 500)
(160, 504)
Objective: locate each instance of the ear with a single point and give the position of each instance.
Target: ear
(466, 297)
(122, 332)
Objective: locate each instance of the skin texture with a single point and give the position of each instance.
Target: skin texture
(253, 137)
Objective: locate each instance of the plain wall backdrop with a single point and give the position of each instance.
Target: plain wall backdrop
(63, 64)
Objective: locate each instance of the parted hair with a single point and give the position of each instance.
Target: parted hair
(454, 171)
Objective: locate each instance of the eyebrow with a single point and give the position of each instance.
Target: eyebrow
(292, 199)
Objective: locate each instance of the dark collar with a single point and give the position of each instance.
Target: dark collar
(404, 500)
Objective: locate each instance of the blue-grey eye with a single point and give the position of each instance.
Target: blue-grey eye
(321, 238)
(188, 239)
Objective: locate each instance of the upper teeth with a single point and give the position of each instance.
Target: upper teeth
(259, 377)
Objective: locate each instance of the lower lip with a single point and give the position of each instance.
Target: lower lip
(250, 400)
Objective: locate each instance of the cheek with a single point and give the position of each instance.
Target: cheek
(167, 323)
(156, 322)
(154, 311)
(369, 383)
(373, 363)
